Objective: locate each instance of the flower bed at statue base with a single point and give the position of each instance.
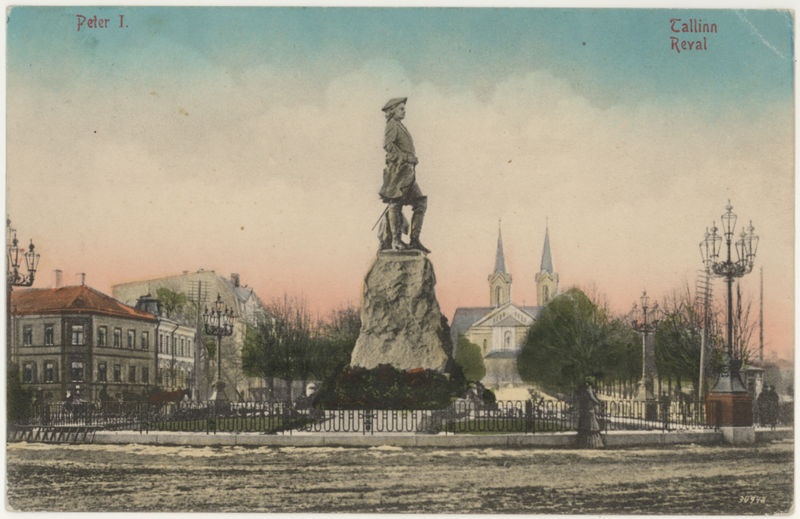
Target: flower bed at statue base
(386, 387)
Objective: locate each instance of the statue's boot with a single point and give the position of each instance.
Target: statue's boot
(395, 214)
(416, 229)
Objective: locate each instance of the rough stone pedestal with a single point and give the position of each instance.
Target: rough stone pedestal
(401, 323)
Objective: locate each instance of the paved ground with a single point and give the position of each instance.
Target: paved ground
(687, 479)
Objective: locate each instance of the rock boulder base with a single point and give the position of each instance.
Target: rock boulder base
(401, 323)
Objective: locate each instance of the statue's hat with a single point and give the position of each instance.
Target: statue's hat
(391, 103)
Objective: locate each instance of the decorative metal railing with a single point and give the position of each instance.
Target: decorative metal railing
(461, 417)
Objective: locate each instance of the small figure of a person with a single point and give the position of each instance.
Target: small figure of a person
(589, 436)
(761, 406)
(664, 403)
(772, 405)
(400, 186)
(103, 395)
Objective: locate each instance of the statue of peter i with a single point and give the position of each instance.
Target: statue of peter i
(400, 186)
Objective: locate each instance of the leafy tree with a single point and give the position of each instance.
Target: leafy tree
(678, 341)
(171, 302)
(334, 343)
(469, 357)
(282, 345)
(574, 338)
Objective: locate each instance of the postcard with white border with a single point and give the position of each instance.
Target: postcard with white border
(377, 259)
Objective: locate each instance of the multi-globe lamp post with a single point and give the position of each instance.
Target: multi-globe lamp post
(729, 399)
(647, 327)
(15, 277)
(218, 322)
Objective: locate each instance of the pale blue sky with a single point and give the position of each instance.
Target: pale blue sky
(249, 140)
(608, 56)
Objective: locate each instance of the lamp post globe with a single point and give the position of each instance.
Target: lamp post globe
(729, 400)
(647, 326)
(15, 277)
(218, 322)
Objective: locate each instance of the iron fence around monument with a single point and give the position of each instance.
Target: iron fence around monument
(461, 417)
(626, 415)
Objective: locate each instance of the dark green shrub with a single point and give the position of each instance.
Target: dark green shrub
(386, 387)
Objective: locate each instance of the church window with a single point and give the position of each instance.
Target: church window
(507, 341)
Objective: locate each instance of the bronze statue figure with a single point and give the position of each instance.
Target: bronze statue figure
(400, 186)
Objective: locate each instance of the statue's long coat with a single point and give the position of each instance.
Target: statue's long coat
(398, 175)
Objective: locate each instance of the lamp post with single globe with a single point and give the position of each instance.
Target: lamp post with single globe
(729, 398)
(15, 277)
(645, 327)
(218, 323)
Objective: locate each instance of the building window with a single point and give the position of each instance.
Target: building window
(183, 346)
(131, 339)
(102, 336)
(145, 376)
(161, 343)
(117, 373)
(169, 350)
(49, 371)
(49, 335)
(189, 347)
(27, 372)
(27, 335)
(118, 337)
(102, 372)
(131, 374)
(77, 335)
(507, 341)
(144, 339)
(76, 371)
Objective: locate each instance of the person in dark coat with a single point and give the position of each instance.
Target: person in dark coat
(589, 436)
(772, 405)
(761, 406)
(400, 186)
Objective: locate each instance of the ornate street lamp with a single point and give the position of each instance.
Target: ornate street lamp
(219, 323)
(645, 327)
(729, 391)
(15, 277)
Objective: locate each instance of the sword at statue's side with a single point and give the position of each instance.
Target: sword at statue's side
(380, 217)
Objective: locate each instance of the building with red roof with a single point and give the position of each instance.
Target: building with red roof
(77, 341)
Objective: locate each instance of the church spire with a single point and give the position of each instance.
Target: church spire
(547, 260)
(546, 279)
(499, 280)
(499, 260)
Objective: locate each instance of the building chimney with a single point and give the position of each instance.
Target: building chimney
(235, 280)
(83, 279)
(59, 273)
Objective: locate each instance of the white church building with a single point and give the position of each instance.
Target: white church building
(501, 328)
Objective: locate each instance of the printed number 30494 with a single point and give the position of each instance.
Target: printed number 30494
(752, 500)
